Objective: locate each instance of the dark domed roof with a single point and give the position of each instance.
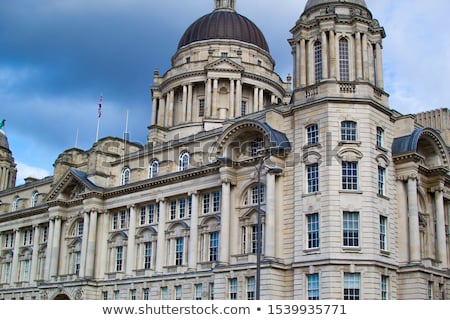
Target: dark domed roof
(3, 140)
(224, 24)
(313, 3)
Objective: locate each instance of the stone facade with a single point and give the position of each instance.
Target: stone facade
(352, 197)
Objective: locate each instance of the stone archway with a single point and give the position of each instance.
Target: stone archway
(61, 296)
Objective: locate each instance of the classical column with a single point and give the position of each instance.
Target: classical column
(238, 98)
(35, 255)
(379, 66)
(302, 74)
(255, 99)
(310, 66)
(261, 100)
(161, 112)
(193, 235)
(103, 249)
(413, 220)
(15, 261)
(48, 254)
(184, 104)
(91, 245)
(225, 223)
(189, 104)
(131, 252)
(269, 244)
(333, 65)
(324, 55)
(171, 114)
(56, 247)
(365, 55)
(232, 99)
(359, 68)
(154, 110)
(84, 245)
(160, 251)
(208, 98)
(440, 228)
(215, 96)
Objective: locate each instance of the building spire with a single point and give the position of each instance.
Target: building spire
(225, 5)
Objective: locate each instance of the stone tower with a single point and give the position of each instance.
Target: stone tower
(8, 169)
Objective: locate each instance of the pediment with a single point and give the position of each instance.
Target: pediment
(72, 186)
(224, 64)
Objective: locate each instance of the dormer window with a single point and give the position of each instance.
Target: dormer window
(154, 169)
(34, 199)
(126, 175)
(184, 161)
(15, 204)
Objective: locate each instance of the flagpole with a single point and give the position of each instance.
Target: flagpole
(99, 116)
(76, 139)
(98, 129)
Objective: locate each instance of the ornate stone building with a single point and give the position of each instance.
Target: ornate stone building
(351, 196)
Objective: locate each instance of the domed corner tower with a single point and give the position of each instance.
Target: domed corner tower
(8, 169)
(337, 48)
(222, 70)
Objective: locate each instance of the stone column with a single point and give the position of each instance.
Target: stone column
(261, 100)
(189, 104)
(161, 112)
(232, 99)
(161, 245)
(208, 98)
(91, 245)
(171, 114)
(359, 68)
(324, 55)
(238, 98)
(379, 71)
(184, 104)
(255, 99)
(154, 110)
(84, 244)
(35, 255)
(302, 54)
(365, 54)
(441, 247)
(310, 66)
(215, 96)
(333, 66)
(15, 267)
(131, 252)
(168, 111)
(56, 247)
(102, 269)
(270, 219)
(225, 223)
(413, 221)
(48, 254)
(193, 238)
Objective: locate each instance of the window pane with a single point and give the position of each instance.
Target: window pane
(313, 287)
(313, 178)
(313, 230)
(349, 175)
(352, 286)
(351, 229)
(318, 61)
(313, 134)
(344, 65)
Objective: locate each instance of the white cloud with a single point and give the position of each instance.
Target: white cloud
(26, 171)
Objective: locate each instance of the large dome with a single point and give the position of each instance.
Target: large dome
(3, 140)
(313, 3)
(224, 24)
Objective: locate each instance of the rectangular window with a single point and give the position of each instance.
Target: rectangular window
(318, 61)
(381, 181)
(380, 137)
(151, 214)
(148, 256)
(213, 246)
(182, 207)
(441, 291)
(116, 295)
(430, 290)
(254, 238)
(115, 221)
(243, 108)
(233, 288)
(133, 294)
(26, 270)
(313, 177)
(201, 107)
(173, 210)
(251, 288)
(28, 237)
(164, 293)
(259, 196)
(77, 262)
(178, 292)
(344, 61)
(44, 234)
(313, 286)
(312, 132)
(211, 291)
(123, 219)
(349, 131)
(256, 146)
(7, 272)
(179, 251)
(119, 258)
(384, 287)
(198, 291)
(143, 217)
(383, 232)
(351, 229)
(313, 230)
(8, 241)
(105, 295)
(206, 203)
(352, 286)
(350, 175)
(146, 294)
(216, 201)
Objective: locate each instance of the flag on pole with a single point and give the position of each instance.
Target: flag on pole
(100, 106)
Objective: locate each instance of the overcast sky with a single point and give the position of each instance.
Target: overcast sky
(58, 56)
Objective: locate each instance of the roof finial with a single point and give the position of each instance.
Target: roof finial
(225, 5)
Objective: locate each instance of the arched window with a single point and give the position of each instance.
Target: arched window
(154, 169)
(34, 199)
(318, 61)
(126, 175)
(184, 161)
(344, 63)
